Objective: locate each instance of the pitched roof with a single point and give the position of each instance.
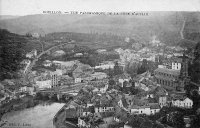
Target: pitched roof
(168, 71)
(123, 76)
(121, 114)
(158, 90)
(83, 75)
(196, 84)
(154, 106)
(125, 104)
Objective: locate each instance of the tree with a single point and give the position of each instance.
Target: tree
(39, 96)
(144, 67)
(11, 54)
(54, 98)
(117, 69)
(45, 97)
(195, 98)
(194, 69)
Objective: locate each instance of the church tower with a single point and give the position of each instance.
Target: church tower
(183, 78)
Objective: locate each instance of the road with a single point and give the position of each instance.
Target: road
(28, 64)
(36, 59)
(182, 35)
(181, 32)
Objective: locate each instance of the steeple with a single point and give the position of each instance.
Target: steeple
(183, 78)
(184, 67)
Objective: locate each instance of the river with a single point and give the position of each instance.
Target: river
(40, 116)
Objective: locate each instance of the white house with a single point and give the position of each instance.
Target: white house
(36, 35)
(82, 123)
(59, 53)
(162, 101)
(32, 54)
(27, 89)
(78, 54)
(147, 110)
(77, 80)
(103, 108)
(43, 84)
(105, 65)
(182, 103)
(47, 63)
(122, 78)
(104, 88)
(99, 75)
(176, 65)
(101, 50)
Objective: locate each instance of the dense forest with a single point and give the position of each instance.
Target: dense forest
(11, 53)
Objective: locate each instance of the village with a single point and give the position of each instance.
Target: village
(132, 88)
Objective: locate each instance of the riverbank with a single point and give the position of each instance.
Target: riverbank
(39, 116)
(18, 104)
(59, 119)
(22, 103)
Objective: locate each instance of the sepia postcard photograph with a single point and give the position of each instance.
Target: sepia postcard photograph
(99, 63)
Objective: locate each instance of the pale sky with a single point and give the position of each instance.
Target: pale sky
(27, 7)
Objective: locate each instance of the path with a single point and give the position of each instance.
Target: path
(182, 35)
(36, 59)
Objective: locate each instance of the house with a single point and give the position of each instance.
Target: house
(36, 35)
(66, 80)
(101, 50)
(84, 111)
(104, 108)
(182, 102)
(149, 109)
(44, 82)
(32, 54)
(83, 77)
(104, 88)
(105, 65)
(122, 78)
(27, 89)
(122, 103)
(59, 53)
(47, 63)
(156, 91)
(65, 64)
(78, 54)
(99, 75)
(78, 80)
(120, 115)
(162, 101)
(82, 122)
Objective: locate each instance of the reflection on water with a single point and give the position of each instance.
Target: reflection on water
(40, 116)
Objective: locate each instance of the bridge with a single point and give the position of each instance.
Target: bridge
(64, 90)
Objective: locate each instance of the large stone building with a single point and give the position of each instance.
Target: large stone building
(175, 78)
(167, 77)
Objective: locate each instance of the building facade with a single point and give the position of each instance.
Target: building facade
(167, 78)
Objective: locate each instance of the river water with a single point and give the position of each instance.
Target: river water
(40, 116)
